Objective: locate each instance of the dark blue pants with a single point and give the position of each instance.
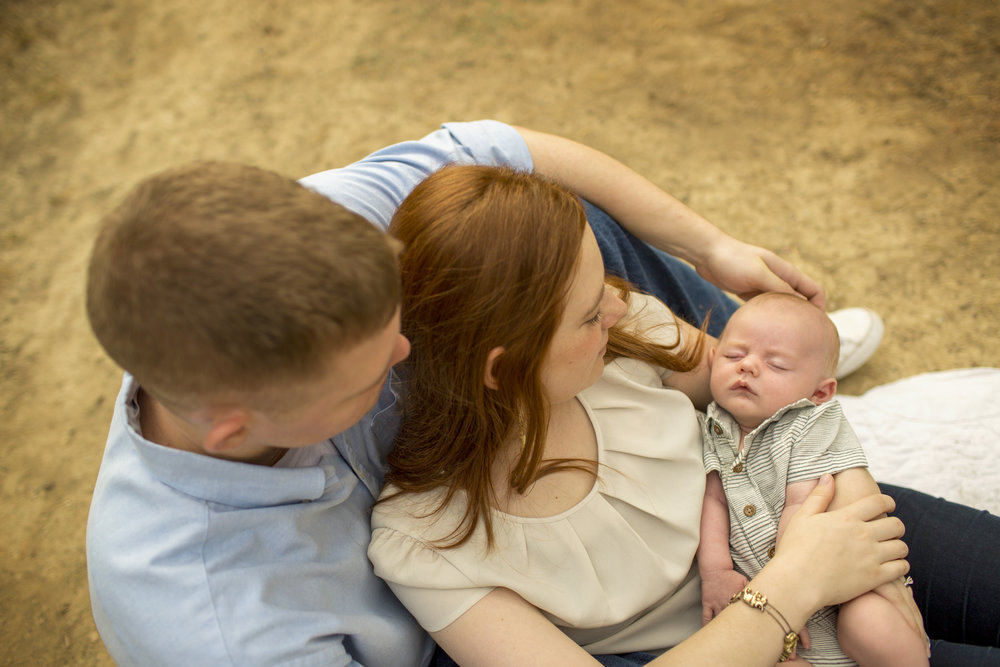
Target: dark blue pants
(954, 550)
(955, 565)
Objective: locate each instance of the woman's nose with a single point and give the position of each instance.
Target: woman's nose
(613, 311)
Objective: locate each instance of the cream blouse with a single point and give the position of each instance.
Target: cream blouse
(615, 572)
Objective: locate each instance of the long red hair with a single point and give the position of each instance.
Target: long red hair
(488, 259)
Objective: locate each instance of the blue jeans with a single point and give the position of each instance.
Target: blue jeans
(689, 296)
(442, 659)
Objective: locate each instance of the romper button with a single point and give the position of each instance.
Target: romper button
(717, 429)
(749, 510)
(738, 467)
(770, 552)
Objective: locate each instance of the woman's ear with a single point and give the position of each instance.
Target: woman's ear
(489, 378)
(825, 391)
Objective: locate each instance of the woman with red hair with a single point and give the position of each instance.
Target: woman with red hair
(544, 494)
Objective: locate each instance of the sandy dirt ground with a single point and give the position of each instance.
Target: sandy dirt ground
(858, 138)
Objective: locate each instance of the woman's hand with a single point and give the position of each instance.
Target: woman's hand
(838, 555)
(747, 270)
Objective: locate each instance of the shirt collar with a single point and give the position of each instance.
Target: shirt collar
(718, 417)
(217, 480)
(366, 445)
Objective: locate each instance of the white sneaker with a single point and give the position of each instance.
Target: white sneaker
(860, 332)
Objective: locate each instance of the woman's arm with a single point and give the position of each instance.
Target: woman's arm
(503, 629)
(663, 221)
(825, 558)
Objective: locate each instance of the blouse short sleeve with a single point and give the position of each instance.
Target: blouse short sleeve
(657, 323)
(652, 317)
(432, 589)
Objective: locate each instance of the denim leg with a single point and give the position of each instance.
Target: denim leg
(950, 654)
(688, 295)
(955, 564)
(625, 659)
(442, 659)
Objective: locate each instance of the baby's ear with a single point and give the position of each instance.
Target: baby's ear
(826, 390)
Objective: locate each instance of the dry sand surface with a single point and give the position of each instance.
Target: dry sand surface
(858, 138)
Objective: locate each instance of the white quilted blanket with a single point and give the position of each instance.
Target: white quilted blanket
(938, 433)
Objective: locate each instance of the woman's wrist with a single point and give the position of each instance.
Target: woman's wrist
(757, 600)
(790, 592)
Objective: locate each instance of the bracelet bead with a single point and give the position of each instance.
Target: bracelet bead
(759, 602)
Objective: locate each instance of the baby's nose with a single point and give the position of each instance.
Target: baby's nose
(748, 365)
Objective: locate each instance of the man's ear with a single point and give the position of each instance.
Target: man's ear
(489, 378)
(825, 391)
(227, 431)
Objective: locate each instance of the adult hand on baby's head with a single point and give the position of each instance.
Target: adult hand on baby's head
(841, 554)
(747, 270)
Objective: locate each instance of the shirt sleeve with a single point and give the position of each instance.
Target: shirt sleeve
(376, 185)
(651, 317)
(824, 443)
(710, 455)
(654, 320)
(428, 584)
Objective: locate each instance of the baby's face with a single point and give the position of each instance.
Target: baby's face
(769, 356)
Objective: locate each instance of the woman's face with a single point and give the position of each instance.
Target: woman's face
(575, 358)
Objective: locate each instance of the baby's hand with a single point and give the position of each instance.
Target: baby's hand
(717, 587)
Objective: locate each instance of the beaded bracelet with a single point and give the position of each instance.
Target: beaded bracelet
(759, 602)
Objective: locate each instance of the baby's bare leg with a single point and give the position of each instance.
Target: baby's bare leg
(873, 632)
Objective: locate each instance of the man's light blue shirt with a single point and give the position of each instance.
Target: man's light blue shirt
(199, 561)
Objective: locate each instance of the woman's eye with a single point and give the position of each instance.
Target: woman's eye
(596, 319)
